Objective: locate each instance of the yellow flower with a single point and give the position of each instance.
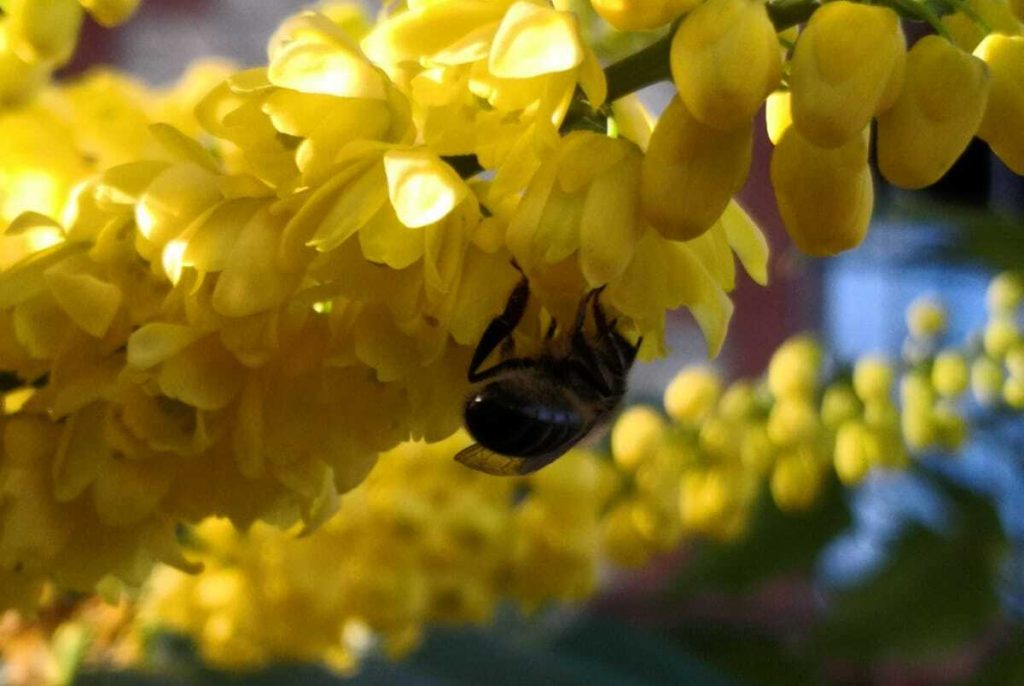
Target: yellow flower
(19, 79)
(582, 202)
(110, 12)
(725, 61)
(935, 116)
(43, 30)
(1005, 293)
(847, 67)
(997, 15)
(950, 373)
(794, 367)
(838, 405)
(796, 480)
(641, 15)
(635, 434)
(926, 318)
(1000, 335)
(1004, 56)
(855, 452)
(691, 395)
(825, 195)
(872, 378)
(690, 172)
(986, 380)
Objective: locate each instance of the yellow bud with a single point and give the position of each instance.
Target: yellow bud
(1000, 335)
(881, 415)
(641, 15)
(1013, 393)
(44, 30)
(19, 79)
(621, 539)
(845, 61)
(967, 33)
(793, 369)
(950, 374)
(692, 394)
(778, 115)
(825, 196)
(719, 439)
(635, 434)
(918, 425)
(951, 427)
(926, 318)
(1001, 126)
(935, 116)
(1005, 293)
(854, 452)
(796, 480)
(838, 405)
(1015, 361)
(725, 60)
(986, 380)
(110, 12)
(916, 390)
(872, 378)
(792, 422)
(756, 450)
(690, 172)
(738, 402)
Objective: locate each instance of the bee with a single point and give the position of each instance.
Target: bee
(532, 410)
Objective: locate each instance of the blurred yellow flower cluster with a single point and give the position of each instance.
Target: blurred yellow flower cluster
(38, 36)
(698, 468)
(422, 541)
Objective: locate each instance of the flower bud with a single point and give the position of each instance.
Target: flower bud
(792, 422)
(641, 15)
(690, 172)
(44, 30)
(110, 12)
(725, 61)
(1005, 293)
(872, 379)
(847, 67)
(926, 318)
(825, 196)
(1001, 126)
(838, 405)
(935, 116)
(793, 369)
(1013, 393)
(997, 16)
(692, 394)
(854, 452)
(636, 432)
(1000, 335)
(986, 380)
(950, 373)
(796, 480)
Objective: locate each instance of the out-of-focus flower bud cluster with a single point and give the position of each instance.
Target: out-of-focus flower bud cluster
(422, 541)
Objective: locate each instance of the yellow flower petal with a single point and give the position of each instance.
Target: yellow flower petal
(328, 69)
(156, 342)
(747, 240)
(203, 375)
(534, 40)
(251, 280)
(422, 188)
(90, 302)
(610, 224)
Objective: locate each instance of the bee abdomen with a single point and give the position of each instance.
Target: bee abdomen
(521, 430)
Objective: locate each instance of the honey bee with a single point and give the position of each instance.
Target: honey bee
(532, 410)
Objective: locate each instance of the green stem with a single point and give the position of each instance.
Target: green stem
(639, 70)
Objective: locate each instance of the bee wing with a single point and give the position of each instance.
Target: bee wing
(483, 460)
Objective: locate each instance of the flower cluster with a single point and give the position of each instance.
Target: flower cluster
(698, 470)
(38, 36)
(229, 299)
(422, 540)
(234, 314)
(824, 84)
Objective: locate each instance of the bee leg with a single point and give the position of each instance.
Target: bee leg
(624, 350)
(500, 329)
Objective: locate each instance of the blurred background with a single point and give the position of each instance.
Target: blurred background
(908, 579)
